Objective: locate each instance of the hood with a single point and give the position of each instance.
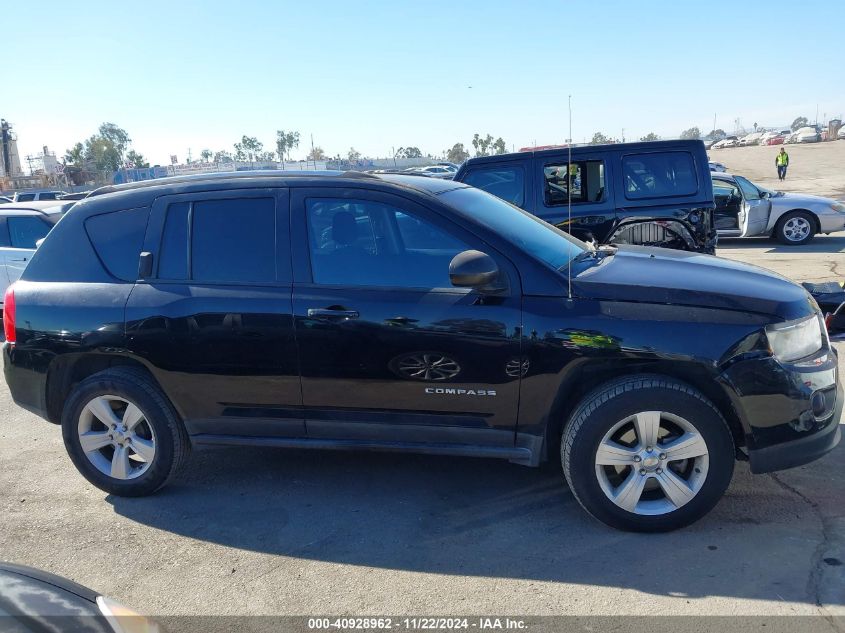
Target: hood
(806, 197)
(659, 275)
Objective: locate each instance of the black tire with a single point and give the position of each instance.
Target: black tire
(135, 386)
(600, 410)
(780, 228)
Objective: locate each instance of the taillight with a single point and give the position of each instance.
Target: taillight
(9, 315)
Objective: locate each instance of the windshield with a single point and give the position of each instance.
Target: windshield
(534, 236)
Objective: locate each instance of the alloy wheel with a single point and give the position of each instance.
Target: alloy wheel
(116, 437)
(796, 229)
(652, 463)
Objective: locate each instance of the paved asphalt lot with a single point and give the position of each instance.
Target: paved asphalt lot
(246, 531)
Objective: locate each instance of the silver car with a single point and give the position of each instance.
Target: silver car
(744, 209)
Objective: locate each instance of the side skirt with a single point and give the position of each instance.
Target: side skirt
(526, 452)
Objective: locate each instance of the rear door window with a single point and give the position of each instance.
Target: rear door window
(26, 230)
(503, 181)
(227, 240)
(659, 175)
(118, 238)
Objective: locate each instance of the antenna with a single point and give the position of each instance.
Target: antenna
(569, 197)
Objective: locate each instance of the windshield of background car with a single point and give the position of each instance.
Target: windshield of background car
(535, 237)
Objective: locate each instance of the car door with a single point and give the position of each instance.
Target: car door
(213, 316)
(389, 350)
(581, 184)
(730, 216)
(23, 230)
(757, 208)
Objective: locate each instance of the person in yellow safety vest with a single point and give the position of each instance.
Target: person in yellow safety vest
(782, 162)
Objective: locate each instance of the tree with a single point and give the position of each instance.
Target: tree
(75, 155)
(316, 153)
(222, 157)
(102, 153)
(599, 139)
(134, 159)
(285, 142)
(482, 145)
(117, 136)
(265, 157)
(800, 122)
(693, 133)
(651, 136)
(206, 155)
(353, 154)
(248, 149)
(499, 146)
(716, 134)
(408, 152)
(457, 154)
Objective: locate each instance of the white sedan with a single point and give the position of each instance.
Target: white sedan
(22, 226)
(744, 209)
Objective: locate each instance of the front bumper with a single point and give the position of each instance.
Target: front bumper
(831, 222)
(775, 404)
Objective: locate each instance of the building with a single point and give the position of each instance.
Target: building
(10, 162)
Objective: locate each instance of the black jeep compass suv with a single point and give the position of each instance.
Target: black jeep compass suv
(401, 313)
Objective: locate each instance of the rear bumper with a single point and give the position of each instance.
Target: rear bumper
(27, 386)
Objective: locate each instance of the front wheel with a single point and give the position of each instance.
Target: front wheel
(795, 228)
(647, 454)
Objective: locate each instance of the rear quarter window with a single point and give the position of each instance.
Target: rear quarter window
(659, 175)
(118, 237)
(503, 181)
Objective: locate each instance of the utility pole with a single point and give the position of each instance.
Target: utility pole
(314, 158)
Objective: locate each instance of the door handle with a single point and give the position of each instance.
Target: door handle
(16, 260)
(325, 313)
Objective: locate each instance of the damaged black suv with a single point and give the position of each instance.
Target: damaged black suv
(401, 313)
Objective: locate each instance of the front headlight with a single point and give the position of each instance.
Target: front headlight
(838, 206)
(795, 339)
(123, 619)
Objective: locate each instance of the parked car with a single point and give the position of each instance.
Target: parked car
(254, 309)
(744, 209)
(751, 139)
(5, 199)
(35, 600)
(809, 134)
(34, 196)
(21, 227)
(770, 137)
(718, 167)
(654, 193)
(79, 195)
(435, 171)
(728, 141)
(841, 133)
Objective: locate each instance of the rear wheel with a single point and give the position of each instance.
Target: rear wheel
(647, 454)
(795, 228)
(122, 434)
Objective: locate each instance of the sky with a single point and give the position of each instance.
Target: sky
(381, 75)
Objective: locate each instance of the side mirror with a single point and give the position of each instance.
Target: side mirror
(473, 269)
